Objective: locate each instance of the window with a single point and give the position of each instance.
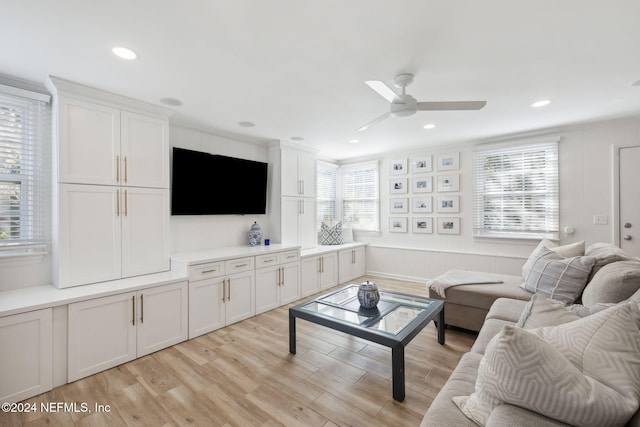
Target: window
(326, 193)
(359, 192)
(24, 172)
(516, 192)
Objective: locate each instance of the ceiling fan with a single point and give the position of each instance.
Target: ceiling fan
(406, 105)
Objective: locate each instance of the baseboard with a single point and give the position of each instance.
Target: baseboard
(421, 280)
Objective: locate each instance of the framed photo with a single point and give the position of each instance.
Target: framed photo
(421, 164)
(449, 162)
(448, 204)
(397, 225)
(398, 167)
(422, 225)
(398, 185)
(422, 184)
(448, 183)
(449, 225)
(421, 205)
(400, 205)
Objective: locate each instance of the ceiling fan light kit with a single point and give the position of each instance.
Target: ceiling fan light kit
(403, 105)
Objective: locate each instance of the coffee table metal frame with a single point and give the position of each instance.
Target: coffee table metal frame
(396, 341)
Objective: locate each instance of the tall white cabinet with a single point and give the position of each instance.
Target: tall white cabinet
(111, 212)
(292, 201)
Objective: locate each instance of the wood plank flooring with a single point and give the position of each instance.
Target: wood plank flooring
(243, 375)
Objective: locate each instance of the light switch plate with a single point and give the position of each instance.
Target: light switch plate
(600, 220)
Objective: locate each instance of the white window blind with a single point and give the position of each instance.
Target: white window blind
(360, 196)
(326, 193)
(24, 171)
(516, 192)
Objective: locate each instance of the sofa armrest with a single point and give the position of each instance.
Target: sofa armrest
(506, 415)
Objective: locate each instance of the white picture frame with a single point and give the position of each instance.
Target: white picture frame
(421, 205)
(449, 161)
(399, 205)
(422, 184)
(448, 225)
(422, 225)
(398, 185)
(397, 224)
(398, 167)
(421, 164)
(448, 204)
(448, 183)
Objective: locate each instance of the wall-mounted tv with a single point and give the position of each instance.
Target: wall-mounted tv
(211, 184)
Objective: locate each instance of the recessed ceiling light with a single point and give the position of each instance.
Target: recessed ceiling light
(353, 141)
(297, 138)
(429, 126)
(541, 103)
(124, 53)
(246, 124)
(171, 101)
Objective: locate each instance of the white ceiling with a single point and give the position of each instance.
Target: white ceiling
(297, 67)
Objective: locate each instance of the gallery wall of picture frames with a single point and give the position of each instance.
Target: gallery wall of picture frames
(419, 188)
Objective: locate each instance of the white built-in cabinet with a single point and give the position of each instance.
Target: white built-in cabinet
(298, 173)
(26, 355)
(298, 218)
(220, 293)
(351, 264)
(318, 272)
(108, 331)
(277, 280)
(111, 213)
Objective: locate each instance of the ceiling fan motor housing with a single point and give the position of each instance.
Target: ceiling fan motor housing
(404, 105)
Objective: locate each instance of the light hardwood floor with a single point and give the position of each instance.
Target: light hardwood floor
(243, 375)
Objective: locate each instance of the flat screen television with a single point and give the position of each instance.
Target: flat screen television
(211, 184)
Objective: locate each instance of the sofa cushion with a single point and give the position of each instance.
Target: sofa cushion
(483, 295)
(541, 311)
(490, 329)
(506, 415)
(562, 279)
(506, 309)
(566, 251)
(614, 282)
(560, 371)
(605, 253)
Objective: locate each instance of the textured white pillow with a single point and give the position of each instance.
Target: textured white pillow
(347, 233)
(562, 279)
(541, 311)
(566, 251)
(583, 372)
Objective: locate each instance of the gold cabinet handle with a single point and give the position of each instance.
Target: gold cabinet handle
(133, 310)
(141, 308)
(224, 289)
(125, 169)
(117, 168)
(126, 203)
(228, 289)
(213, 270)
(118, 202)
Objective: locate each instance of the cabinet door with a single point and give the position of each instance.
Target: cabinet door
(162, 317)
(89, 234)
(358, 267)
(291, 185)
(307, 234)
(145, 150)
(290, 283)
(267, 288)
(89, 149)
(102, 334)
(240, 303)
(345, 259)
(309, 275)
(329, 270)
(291, 208)
(26, 353)
(206, 306)
(307, 174)
(145, 230)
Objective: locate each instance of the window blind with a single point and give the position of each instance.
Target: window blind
(360, 196)
(24, 170)
(516, 192)
(326, 193)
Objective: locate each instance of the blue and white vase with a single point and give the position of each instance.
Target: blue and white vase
(255, 235)
(368, 295)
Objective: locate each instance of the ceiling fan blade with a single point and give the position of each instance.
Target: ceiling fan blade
(374, 121)
(451, 105)
(382, 89)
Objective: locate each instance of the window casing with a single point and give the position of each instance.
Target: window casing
(516, 192)
(24, 171)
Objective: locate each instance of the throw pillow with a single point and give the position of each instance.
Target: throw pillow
(565, 251)
(583, 372)
(331, 235)
(562, 279)
(347, 234)
(614, 282)
(605, 253)
(541, 311)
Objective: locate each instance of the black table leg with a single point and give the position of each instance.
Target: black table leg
(441, 327)
(397, 368)
(292, 334)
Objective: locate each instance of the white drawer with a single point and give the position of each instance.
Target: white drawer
(269, 260)
(206, 271)
(290, 256)
(238, 265)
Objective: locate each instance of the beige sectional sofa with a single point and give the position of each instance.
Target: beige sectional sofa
(612, 289)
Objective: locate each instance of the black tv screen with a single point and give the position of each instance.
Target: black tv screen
(211, 184)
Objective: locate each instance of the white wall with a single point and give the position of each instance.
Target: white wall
(214, 231)
(586, 189)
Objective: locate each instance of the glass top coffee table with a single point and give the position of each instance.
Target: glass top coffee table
(396, 320)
